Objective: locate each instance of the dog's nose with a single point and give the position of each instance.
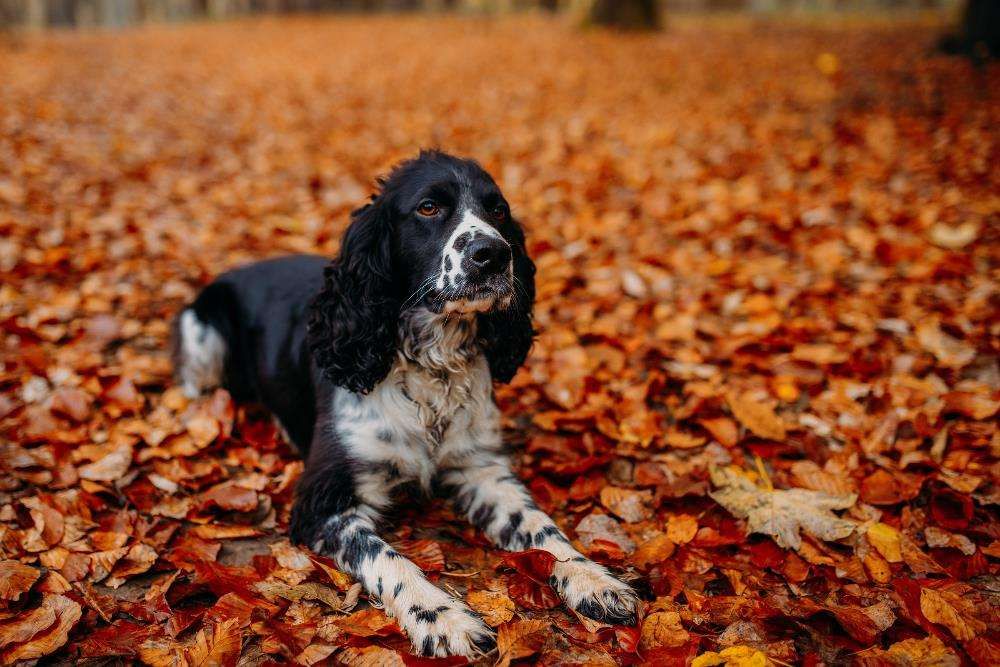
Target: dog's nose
(488, 255)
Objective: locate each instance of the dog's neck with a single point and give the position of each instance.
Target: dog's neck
(440, 343)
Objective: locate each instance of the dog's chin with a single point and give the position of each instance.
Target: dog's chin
(478, 299)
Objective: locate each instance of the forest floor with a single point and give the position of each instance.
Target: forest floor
(767, 301)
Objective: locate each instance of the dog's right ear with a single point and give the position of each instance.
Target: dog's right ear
(353, 319)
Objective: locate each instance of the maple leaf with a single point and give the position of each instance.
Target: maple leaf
(781, 513)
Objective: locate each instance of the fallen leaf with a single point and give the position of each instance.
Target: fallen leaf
(886, 540)
(16, 578)
(631, 506)
(759, 418)
(42, 631)
(781, 513)
(943, 607)
(663, 628)
(494, 606)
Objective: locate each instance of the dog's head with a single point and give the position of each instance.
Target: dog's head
(439, 235)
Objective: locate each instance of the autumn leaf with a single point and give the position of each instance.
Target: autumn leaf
(781, 513)
(886, 540)
(756, 416)
(663, 628)
(16, 578)
(369, 656)
(495, 607)
(734, 656)
(41, 631)
(654, 550)
(518, 640)
(949, 610)
(629, 505)
(220, 647)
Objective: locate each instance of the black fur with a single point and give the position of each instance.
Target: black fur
(506, 336)
(352, 321)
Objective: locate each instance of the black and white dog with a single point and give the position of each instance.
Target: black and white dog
(379, 366)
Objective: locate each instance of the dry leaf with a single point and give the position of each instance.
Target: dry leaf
(759, 418)
(886, 540)
(16, 578)
(47, 627)
(631, 506)
(494, 606)
(781, 513)
(943, 607)
(663, 628)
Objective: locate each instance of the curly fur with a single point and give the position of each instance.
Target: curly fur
(352, 321)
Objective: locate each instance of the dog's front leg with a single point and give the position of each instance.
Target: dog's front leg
(488, 493)
(437, 624)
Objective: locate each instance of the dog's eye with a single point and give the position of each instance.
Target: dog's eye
(428, 208)
(499, 211)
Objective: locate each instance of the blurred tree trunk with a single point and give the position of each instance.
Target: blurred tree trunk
(624, 14)
(978, 33)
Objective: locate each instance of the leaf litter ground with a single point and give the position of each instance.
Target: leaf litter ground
(767, 282)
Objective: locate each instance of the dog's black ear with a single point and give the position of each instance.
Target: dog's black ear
(353, 320)
(506, 336)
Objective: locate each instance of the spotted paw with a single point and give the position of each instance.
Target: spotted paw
(590, 589)
(447, 629)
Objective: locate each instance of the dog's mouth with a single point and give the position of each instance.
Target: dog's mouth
(492, 294)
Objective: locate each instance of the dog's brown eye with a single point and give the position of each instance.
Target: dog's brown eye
(499, 211)
(428, 208)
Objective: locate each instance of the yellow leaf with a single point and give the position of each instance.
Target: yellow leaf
(827, 63)
(885, 539)
(734, 656)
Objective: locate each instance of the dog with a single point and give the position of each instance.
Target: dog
(379, 366)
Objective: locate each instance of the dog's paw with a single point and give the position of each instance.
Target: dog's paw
(447, 629)
(590, 590)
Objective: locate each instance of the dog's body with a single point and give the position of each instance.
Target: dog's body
(380, 366)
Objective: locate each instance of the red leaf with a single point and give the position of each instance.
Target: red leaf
(533, 563)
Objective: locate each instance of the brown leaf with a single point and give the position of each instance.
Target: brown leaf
(369, 656)
(519, 640)
(219, 647)
(16, 578)
(629, 505)
(46, 629)
(494, 606)
(759, 418)
(947, 608)
(663, 628)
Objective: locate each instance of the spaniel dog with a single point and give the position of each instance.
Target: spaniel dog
(379, 366)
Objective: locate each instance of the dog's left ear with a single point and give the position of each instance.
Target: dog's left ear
(506, 336)
(353, 319)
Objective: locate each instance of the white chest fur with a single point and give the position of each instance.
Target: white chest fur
(434, 409)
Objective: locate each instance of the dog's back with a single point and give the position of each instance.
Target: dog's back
(246, 331)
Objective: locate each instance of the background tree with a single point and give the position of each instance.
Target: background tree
(625, 14)
(978, 32)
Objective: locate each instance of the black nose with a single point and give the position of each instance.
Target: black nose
(487, 255)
